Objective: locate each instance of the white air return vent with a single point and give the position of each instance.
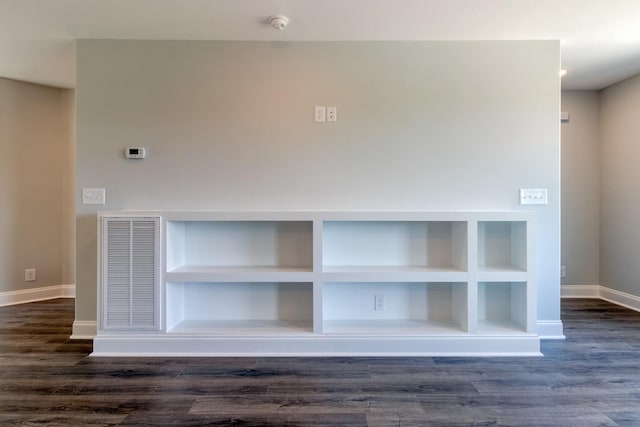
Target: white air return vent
(130, 273)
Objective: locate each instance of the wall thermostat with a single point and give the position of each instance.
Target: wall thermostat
(135, 152)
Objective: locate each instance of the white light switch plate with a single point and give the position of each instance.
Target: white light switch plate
(93, 196)
(533, 196)
(320, 114)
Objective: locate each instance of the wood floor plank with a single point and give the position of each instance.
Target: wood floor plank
(590, 379)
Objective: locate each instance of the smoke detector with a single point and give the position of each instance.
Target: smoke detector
(279, 22)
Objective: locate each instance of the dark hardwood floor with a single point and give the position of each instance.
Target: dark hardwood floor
(590, 379)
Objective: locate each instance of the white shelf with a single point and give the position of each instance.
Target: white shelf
(386, 273)
(275, 307)
(388, 268)
(275, 244)
(213, 273)
(395, 244)
(503, 306)
(310, 283)
(391, 327)
(496, 327)
(502, 246)
(503, 273)
(256, 328)
(416, 306)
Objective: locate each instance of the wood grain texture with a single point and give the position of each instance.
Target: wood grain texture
(590, 379)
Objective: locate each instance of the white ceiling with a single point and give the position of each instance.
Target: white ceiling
(600, 40)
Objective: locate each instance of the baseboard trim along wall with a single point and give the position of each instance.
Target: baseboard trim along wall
(580, 291)
(620, 298)
(550, 329)
(601, 292)
(37, 294)
(84, 330)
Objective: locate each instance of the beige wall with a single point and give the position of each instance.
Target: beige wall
(229, 125)
(581, 188)
(620, 207)
(36, 192)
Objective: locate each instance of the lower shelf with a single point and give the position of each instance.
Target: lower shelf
(499, 327)
(242, 327)
(390, 327)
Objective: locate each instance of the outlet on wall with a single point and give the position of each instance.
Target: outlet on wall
(93, 196)
(30, 275)
(563, 271)
(378, 302)
(332, 114)
(533, 196)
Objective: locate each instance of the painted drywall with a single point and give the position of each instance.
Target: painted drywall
(620, 199)
(229, 126)
(36, 186)
(580, 141)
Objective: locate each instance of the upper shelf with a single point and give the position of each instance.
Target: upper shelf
(345, 246)
(214, 273)
(502, 246)
(407, 246)
(205, 247)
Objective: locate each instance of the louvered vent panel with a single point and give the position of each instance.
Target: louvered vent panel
(144, 268)
(131, 278)
(118, 274)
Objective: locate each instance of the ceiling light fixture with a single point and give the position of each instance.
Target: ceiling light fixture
(279, 22)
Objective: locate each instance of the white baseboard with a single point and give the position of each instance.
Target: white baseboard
(580, 291)
(37, 294)
(550, 329)
(84, 330)
(620, 298)
(601, 292)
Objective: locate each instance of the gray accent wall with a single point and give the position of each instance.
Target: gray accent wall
(36, 186)
(229, 126)
(620, 207)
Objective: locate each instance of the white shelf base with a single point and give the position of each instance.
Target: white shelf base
(317, 346)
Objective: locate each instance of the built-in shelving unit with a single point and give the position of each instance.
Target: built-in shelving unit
(324, 283)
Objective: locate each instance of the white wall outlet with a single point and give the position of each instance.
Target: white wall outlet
(533, 196)
(320, 114)
(332, 114)
(93, 196)
(378, 302)
(30, 275)
(563, 271)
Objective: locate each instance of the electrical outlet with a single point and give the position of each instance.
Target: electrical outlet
(533, 196)
(30, 275)
(332, 114)
(563, 271)
(378, 302)
(93, 196)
